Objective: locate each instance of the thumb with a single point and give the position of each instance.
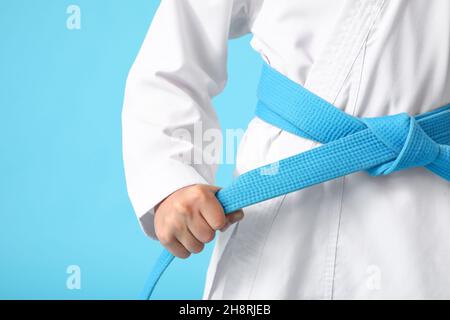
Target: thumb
(233, 218)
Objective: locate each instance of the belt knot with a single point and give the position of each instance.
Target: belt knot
(403, 135)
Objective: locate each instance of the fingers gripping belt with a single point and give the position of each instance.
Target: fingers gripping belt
(379, 145)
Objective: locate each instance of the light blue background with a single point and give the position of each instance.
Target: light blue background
(62, 191)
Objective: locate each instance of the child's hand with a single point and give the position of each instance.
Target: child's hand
(189, 217)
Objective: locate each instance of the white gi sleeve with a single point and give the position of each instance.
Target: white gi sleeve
(180, 67)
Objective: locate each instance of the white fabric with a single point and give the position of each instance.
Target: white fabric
(356, 237)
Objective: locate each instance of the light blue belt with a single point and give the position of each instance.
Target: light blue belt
(380, 146)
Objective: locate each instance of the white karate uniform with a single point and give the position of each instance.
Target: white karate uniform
(354, 237)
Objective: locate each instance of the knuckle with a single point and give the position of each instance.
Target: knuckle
(173, 224)
(171, 221)
(180, 207)
(178, 226)
(199, 193)
(189, 214)
(200, 196)
(164, 237)
(198, 188)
